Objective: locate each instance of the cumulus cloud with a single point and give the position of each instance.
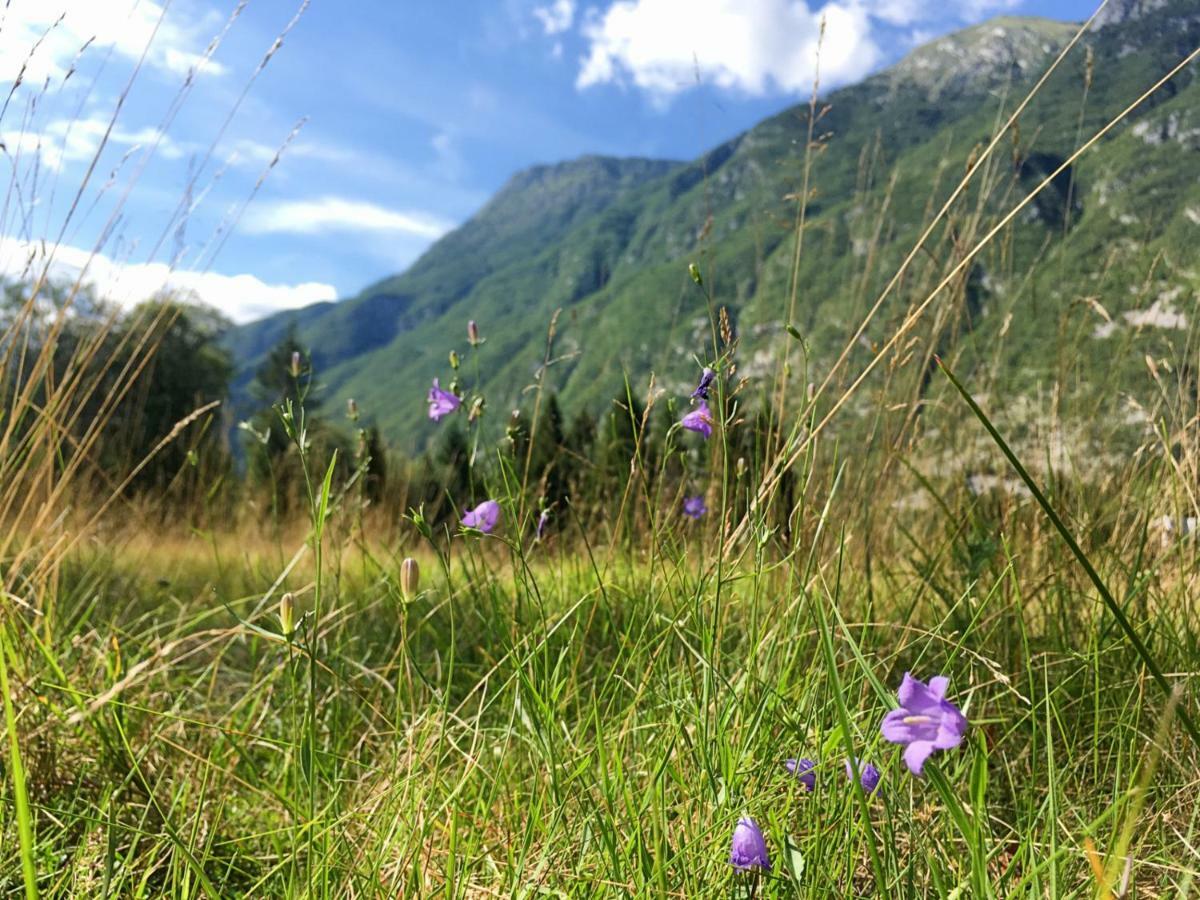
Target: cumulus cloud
(42, 39)
(242, 297)
(556, 17)
(339, 214)
(752, 46)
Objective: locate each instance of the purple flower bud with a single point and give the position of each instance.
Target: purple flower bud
(706, 380)
(473, 334)
(541, 523)
(699, 419)
(926, 721)
(693, 507)
(748, 850)
(483, 517)
(804, 770)
(441, 403)
(868, 775)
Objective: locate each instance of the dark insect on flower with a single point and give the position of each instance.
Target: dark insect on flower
(693, 507)
(483, 517)
(749, 848)
(441, 403)
(699, 420)
(706, 380)
(804, 770)
(868, 775)
(926, 721)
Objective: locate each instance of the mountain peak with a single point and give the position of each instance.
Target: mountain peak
(1004, 48)
(1116, 12)
(564, 189)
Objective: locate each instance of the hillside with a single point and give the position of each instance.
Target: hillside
(608, 241)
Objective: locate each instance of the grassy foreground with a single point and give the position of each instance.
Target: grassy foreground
(591, 715)
(539, 720)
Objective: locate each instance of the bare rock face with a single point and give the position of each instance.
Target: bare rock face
(1118, 11)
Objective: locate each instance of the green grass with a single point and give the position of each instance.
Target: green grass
(536, 723)
(590, 716)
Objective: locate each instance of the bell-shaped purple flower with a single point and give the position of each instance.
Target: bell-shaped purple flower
(483, 517)
(441, 403)
(749, 848)
(706, 380)
(805, 772)
(868, 775)
(926, 721)
(699, 419)
(693, 507)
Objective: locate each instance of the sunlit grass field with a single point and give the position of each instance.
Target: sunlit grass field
(209, 695)
(554, 717)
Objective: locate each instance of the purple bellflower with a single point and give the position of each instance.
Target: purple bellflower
(483, 517)
(926, 721)
(868, 775)
(706, 380)
(441, 403)
(749, 849)
(699, 419)
(693, 507)
(804, 770)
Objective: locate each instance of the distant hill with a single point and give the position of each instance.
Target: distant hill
(608, 241)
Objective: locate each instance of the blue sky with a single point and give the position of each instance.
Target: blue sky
(399, 118)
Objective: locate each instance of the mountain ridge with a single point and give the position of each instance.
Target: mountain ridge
(607, 240)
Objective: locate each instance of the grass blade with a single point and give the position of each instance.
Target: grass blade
(1105, 594)
(24, 821)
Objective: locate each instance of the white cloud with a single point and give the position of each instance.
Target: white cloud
(77, 140)
(241, 297)
(752, 46)
(556, 17)
(42, 39)
(339, 214)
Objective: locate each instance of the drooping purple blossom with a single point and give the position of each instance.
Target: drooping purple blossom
(483, 517)
(868, 775)
(926, 721)
(699, 420)
(693, 507)
(441, 403)
(748, 850)
(543, 518)
(706, 380)
(805, 771)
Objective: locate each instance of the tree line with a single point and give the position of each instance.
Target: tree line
(157, 379)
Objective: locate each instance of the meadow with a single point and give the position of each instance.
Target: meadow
(670, 680)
